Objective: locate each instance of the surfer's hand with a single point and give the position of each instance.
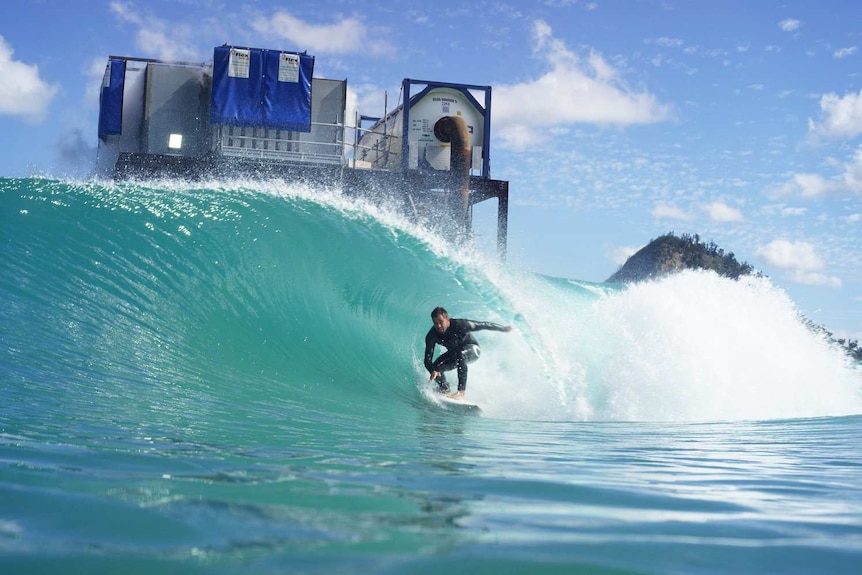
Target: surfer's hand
(507, 328)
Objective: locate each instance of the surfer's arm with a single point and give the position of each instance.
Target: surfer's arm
(487, 325)
(429, 354)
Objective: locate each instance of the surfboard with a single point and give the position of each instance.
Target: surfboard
(461, 405)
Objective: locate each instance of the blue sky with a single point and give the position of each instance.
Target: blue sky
(614, 122)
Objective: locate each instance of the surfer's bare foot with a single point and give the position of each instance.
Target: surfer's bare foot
(457, 395)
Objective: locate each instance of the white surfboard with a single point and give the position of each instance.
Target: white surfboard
(462, 405)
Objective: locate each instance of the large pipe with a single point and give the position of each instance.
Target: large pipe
(453, 129)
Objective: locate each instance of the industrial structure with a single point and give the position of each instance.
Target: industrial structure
(258, 112)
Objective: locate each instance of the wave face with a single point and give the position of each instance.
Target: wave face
(155, 301)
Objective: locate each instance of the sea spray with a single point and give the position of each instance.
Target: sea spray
(689, 347)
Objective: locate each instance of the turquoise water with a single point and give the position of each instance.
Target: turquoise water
(226, 378)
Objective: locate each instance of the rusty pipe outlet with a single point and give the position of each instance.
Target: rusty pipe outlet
(454, 130)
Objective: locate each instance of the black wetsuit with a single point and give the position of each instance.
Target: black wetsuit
(461, 349)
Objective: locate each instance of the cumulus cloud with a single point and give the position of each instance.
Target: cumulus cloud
(367, 98)
(841, 116)
(665, 211)
(94, 72)
(23, 92)
(784, 210)
(847, 182)
(800, 260)
(155, 37)
(814, 279)
(721, 212)
(574, 90)
(789, 25)
(340, 37)
(844, 52)
(787, 255)
(808, 185)
(669, 42)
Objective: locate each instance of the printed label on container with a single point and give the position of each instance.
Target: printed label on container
(288, 68)
(239, 63)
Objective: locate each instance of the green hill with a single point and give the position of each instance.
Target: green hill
(669, 254)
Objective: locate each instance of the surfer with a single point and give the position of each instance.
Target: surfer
(461, 347)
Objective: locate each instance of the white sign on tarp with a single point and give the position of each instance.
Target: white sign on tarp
(288, 68)
(239, 63)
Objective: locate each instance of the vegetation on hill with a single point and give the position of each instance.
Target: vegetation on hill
(850, 346)
(669, 254)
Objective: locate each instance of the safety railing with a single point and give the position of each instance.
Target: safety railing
(324, 144)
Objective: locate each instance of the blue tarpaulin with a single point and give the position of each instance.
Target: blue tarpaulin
(111, 99)
(261, 88)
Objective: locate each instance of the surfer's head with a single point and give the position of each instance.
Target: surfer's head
(441, 319)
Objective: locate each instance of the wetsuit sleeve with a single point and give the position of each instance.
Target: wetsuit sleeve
(429, 352)
(483, 325)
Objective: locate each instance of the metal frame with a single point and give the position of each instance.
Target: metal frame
(464, 89)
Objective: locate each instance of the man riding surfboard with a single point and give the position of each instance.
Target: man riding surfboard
(461, 347)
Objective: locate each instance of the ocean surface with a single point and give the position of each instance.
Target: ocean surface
(226, 377)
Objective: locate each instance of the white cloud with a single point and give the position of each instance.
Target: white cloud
(783, 210)
(848, 182)
(808, 185)
(367, 98)
(844, 52)
(851, 178)
(792, 256)
(669, 42)
(789, 25)
(94, 71)
(22, 92)
(574, 90)
(341, 37)
(800, 260)
(665, 211)
(814, 279)
(853, 218)
(155, 37)
(841, 116)
(721, 212)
